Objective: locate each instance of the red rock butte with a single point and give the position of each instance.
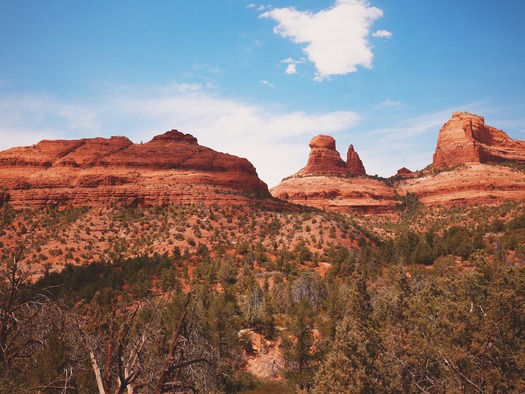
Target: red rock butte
(171, 168)
(465, 138)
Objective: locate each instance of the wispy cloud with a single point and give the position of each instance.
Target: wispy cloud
(291, 69)
(206, 67)
(388, 103)
(267, 83)
(336, 38)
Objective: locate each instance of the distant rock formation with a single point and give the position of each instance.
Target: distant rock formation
(354, 164)
(404, 173)
(324, 159)
(466, 139)
(171, 168)
(331, 182)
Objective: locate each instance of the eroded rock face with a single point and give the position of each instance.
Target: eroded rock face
(324, 158)
(472, 183)
(171, 168)
(465, 138)
(405, 173)
(334, 193)
(354, 164)
(328, 182)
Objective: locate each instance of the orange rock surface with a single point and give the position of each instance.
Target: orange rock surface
(354, 164)
(324, 158)
(472, 183)
(171, 168)
(460, 173)
(358, 194)
(466, 139)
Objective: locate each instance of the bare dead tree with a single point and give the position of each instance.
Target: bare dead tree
(170, 379)
(122, 357)
(20, 310)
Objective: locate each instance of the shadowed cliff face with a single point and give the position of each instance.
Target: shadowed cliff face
(465, 138)
(172, 167)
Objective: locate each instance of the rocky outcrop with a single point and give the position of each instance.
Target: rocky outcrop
(465, 138)
(354, 165)
(472, 183)
(405, 173)
(324, 158)
(463, 172)
(171, 168)
(328, 182)
(344, 194)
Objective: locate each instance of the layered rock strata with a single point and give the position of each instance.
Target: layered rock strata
(171, 168)
(465, 138)
(324, 158)
(328, 182)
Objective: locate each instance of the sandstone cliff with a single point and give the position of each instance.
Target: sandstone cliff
(463, 172)
(171, 168)
(465, 138)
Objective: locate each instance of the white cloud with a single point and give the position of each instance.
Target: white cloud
(267, 83)
(275, 141)
(291, 69)
(382, 34)
(292, 65)
(336, 37)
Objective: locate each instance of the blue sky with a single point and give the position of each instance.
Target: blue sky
(259, 80)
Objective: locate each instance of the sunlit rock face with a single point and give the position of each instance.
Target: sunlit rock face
(171, 168)
(324, 158)
(467, 150)
(354, 164)
(465, 138)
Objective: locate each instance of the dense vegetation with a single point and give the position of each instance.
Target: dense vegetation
(429, 301)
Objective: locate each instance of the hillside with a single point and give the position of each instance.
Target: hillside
(181, 280)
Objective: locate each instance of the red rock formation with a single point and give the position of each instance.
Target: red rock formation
(473, 183)
(466, 139)
(405, 173)
(345, 194)
(171, 168)
(324, 158)
(328, 185)
(354, 164)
